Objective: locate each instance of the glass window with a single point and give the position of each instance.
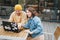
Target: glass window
(31, 2)
(8, 2)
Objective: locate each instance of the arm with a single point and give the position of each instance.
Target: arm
(23, 18)
(26, 25)
(11, 17)
(39, 26)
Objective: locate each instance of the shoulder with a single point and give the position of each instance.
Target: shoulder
(13, 13)
(36, 18)
(23, 13)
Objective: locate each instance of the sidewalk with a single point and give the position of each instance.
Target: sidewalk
(49, 28)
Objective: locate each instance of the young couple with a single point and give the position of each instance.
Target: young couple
(28, 19)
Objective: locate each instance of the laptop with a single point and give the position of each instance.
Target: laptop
(10, 26)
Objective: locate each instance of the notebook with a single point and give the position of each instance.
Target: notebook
(10, 26)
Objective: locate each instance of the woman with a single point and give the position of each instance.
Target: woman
(34, 24)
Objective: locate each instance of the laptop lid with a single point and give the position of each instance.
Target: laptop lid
(10, 26)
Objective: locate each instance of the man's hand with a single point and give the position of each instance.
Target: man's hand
(20, 26)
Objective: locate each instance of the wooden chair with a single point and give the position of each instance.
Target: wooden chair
(57, 33)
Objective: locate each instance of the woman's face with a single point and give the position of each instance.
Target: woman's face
(29, 14)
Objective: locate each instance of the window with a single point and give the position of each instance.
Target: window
(8, 2)
(33, 2)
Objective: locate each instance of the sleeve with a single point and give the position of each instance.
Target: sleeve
(39, 26)
(26, 25)
(11, 17)
(24, 18)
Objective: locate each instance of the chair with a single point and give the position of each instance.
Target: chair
(57, 33)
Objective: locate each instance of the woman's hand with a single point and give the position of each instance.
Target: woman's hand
(28, 31)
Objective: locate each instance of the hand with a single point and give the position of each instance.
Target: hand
(28, 31)
(19, 24)
(31, 32)
(20, 27)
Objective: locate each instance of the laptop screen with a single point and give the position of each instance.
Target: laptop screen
(10, 26)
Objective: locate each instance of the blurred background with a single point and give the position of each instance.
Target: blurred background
(49, 11)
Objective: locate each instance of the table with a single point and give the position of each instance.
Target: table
(13, 36)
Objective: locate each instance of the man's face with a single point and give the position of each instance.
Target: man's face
(18, 11)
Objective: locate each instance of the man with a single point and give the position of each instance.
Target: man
(18, 16)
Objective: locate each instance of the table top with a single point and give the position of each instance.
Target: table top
(21, 34)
